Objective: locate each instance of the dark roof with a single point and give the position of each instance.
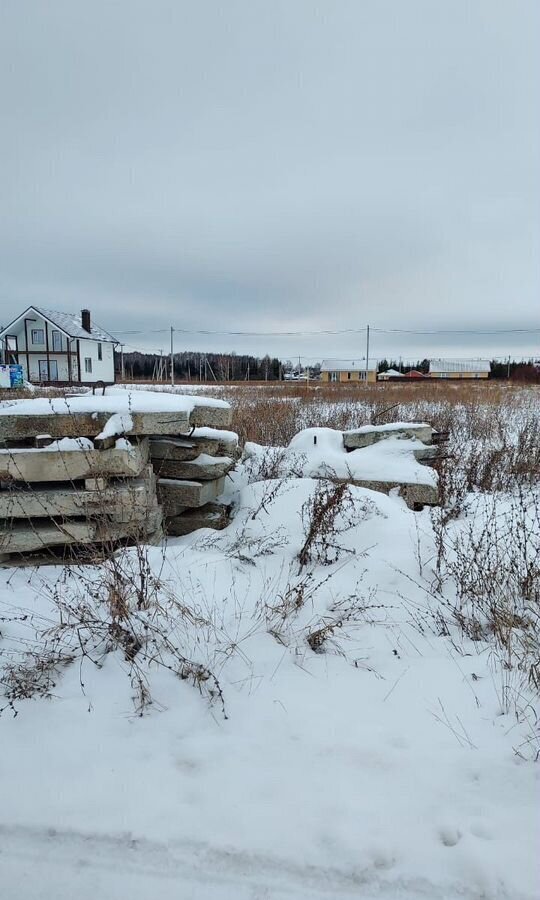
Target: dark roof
(70, 324)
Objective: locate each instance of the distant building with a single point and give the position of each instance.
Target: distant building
(459, 368)
(344, 371)
(58, 347)
(389, 374)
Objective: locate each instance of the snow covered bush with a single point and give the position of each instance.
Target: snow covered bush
(326, 514)
(122, 608)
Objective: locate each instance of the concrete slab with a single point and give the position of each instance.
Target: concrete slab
(427, 455)
(356, 439)
(91, 424)
(122, 501)
(29, 537)
(186, 448)
(71, 465)
(212, 515)
(175, 496)
(415, 495)
(207, 470)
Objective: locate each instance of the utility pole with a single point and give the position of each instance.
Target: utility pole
(508, 370)
(172, 356)
(367, 352)
(122, 370)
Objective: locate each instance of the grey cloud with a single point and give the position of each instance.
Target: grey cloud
(284, 166)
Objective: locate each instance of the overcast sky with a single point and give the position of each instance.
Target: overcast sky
(286, 165)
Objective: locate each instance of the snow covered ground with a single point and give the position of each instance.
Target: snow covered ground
(334, 733)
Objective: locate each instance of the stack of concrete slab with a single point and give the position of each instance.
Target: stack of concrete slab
(426, 451)
(76, 473)
(191, 471)
(386, 458)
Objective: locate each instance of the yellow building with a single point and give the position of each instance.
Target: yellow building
(459, 368)
(345, 371)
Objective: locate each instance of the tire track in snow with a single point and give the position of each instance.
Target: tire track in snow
(265, 876)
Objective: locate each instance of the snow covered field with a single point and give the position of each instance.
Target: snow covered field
(285, 710)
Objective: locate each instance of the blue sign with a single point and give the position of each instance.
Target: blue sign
(16, 376)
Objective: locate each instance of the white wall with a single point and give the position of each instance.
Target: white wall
(102, 370)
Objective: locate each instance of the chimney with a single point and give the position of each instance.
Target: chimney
(85, 320)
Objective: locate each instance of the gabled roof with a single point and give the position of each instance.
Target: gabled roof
(69, 323)
(459, 365)
(391, 373)
(346, 365)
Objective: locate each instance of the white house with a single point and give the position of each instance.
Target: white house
(388, 374)
(58, 347)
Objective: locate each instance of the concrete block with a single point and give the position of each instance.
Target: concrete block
(175, 496)
(356, 439)
(71, 465)
(42, 440)
(95, 484)
(212, 515)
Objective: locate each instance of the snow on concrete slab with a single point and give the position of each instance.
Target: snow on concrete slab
(64, 445)
(116, 400)
(119, 423)
(215, 434)
(390, 426)
(319, 452)
(88, 415)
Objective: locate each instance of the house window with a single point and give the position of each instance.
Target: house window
(99, 352)
(87, 364)
(57, 341)
(334, 376)
(38, 336)
(348, 376)
(11, 350)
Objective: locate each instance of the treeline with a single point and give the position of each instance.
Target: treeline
(190, 366)
(420, 366)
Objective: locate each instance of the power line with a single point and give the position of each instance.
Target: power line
(501, 331)
(451, 331)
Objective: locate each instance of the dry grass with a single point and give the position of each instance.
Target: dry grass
(272, 414)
